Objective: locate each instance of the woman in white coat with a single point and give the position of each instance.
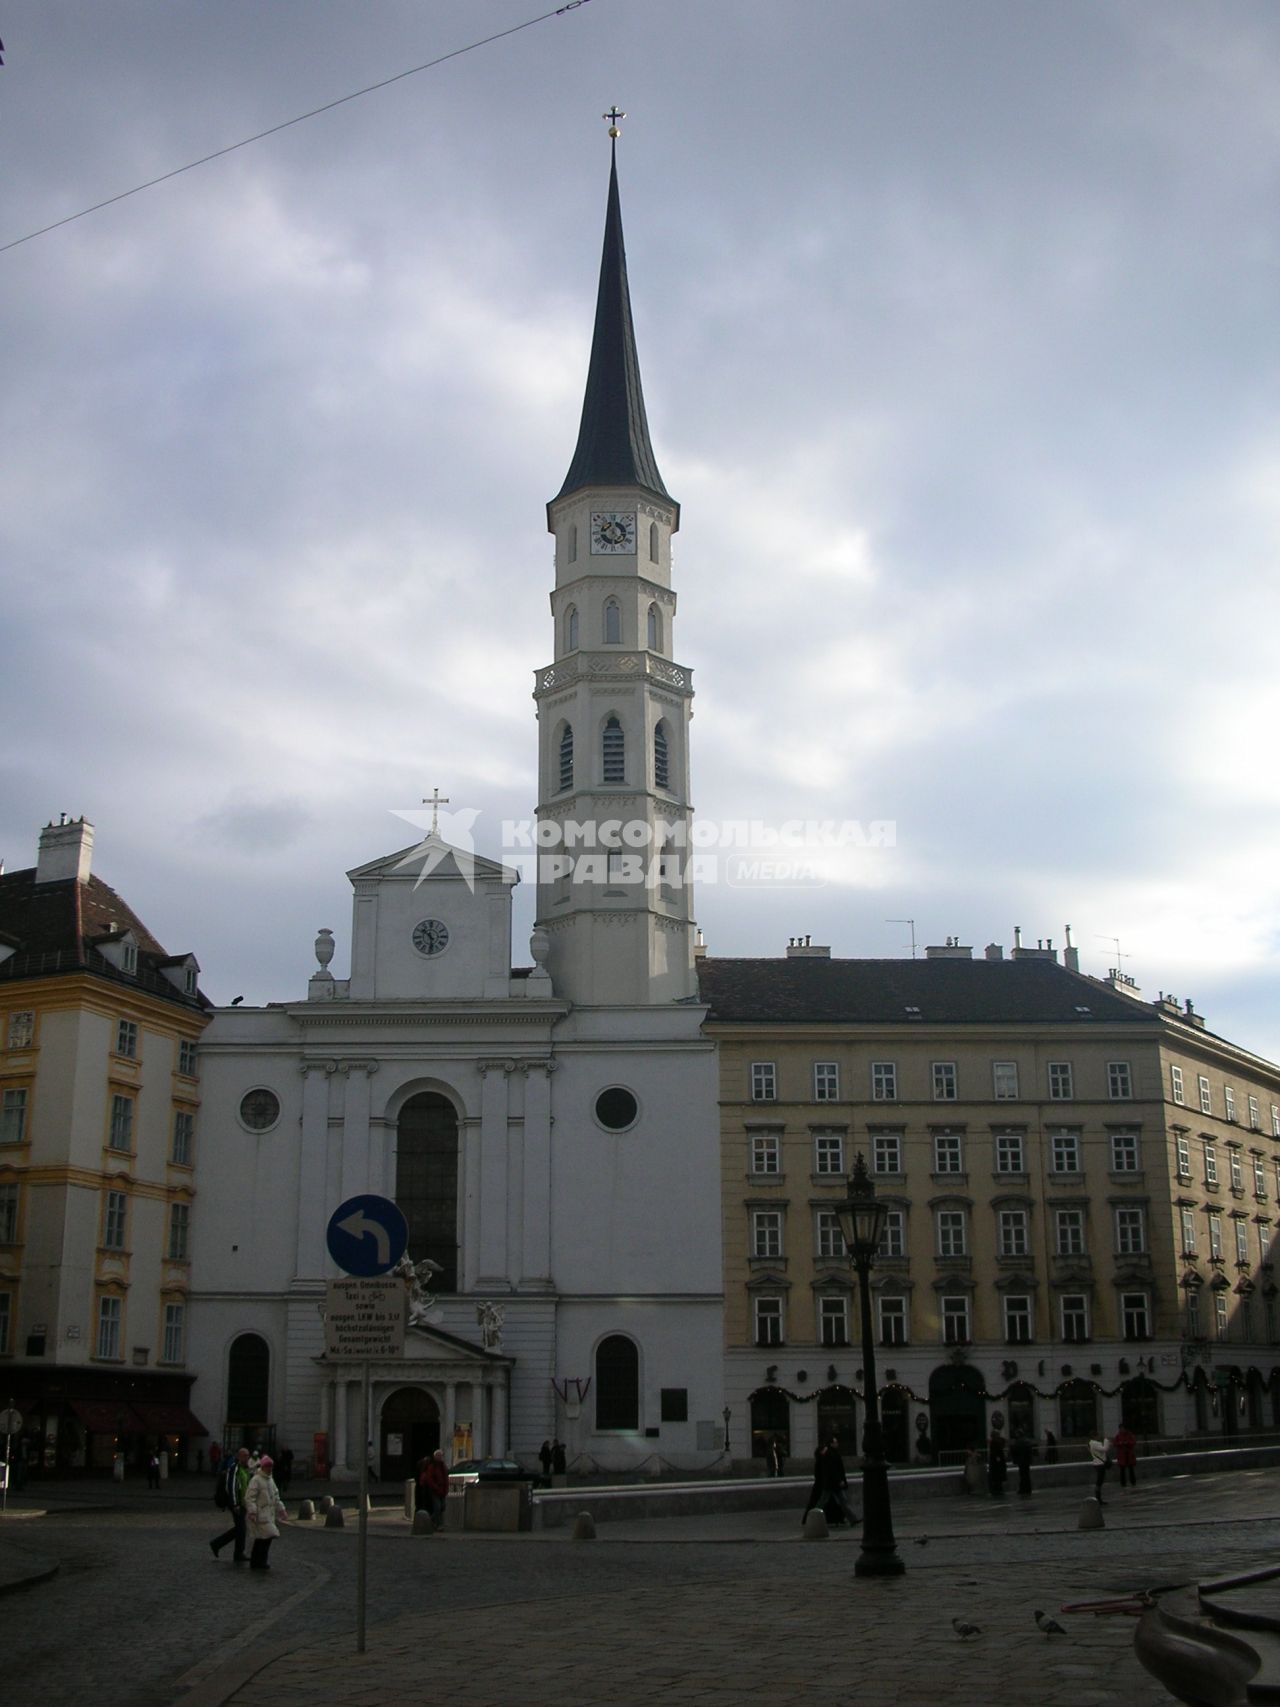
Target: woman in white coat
(263, 1510)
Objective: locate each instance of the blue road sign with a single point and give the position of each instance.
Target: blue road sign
(367, 1235)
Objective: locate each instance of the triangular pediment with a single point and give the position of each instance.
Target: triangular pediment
(434, 860)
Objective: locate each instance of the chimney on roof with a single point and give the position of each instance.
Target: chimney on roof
(66, 851)
(995, 951)
(1070, 954)
(802, 948)
(952, 949)
(700, 947)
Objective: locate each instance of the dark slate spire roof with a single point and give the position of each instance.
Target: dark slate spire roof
(613, 440)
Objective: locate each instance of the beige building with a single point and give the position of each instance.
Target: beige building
(1083, 1190)
(98, 1102)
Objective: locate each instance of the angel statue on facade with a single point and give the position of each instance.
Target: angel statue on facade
(490, 1318)
(417, 1277)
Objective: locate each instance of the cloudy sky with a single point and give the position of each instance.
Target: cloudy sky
(958, 327)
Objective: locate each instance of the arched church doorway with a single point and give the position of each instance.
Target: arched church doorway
(427, 1182)
(957, 1408)
(409, 1431)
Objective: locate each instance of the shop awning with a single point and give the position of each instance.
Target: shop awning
(105, 1416)
(156, 1418)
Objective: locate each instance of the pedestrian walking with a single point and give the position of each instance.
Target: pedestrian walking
(153, 1468)
(817, 1492)
(1103, 1457)
(544, 1458)
(835, 1486)
(1022, 1451)
(777, 1457)
(559, 1459)
(434, 1486)
(1125, 1444)
(997, 1464)
(263, 1511)
(1050, 1447)
(235, 1482)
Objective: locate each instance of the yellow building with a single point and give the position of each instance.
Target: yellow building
(98, 1100)
(1083, 1189)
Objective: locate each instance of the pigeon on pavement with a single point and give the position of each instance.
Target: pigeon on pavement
(1050, 1626)
(963, 1630)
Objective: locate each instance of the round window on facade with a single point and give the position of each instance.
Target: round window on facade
(259, 1110)
(616, 1109)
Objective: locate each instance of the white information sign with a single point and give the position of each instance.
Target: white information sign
(365, 1317)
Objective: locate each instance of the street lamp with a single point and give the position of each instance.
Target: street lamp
(862, 1222)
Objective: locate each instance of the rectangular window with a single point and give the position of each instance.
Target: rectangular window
(1010, 1156)
(13, 1115)
(886, 1153)
(127, 1039)
(830, 1239)
(179, 1228)
(1075, 1317)
(766, 1233)
(828, 1152)
(1254, 1123)
(768, 1314)
(948, 1155)
(1237, 1170)
(833, 1321)
(1135, 1316)
(1275, 1120)
(826, 1081)
(187, 1059)
(1004, 1080)
(184, 1128)
(955, 1319)
(1229, 1101)
(1242, 1241)
(175, 1333)
(1188, 1218)
(1017, 1320)
(884, 1081)
(1259, 1178)
(121, 1123)
(1193, 1314)
(109, 1314)
(766, 1153)
(1060, 1081)
(113, 1220)
(1215, 1236)
(1064, 1150)
(1182, 1144)
(1124, 1152)
(1014, 1239)
(764, 1081)
(1206, 1100)
(1220, 1314)
(1264, 1242)
(1119, 1081)
(22, 1029)
(893, 1236)
(1210, 1165)
(6, 1323)
(945, 1088)
(1068, 1228)
(1175, 1085)
(1131, 1231)
(893, 1321)
(951, 1233)
(8, 1214)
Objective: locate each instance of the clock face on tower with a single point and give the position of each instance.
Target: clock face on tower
(431, 937)
(612, 531)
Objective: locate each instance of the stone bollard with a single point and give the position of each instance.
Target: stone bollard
(324, 1504)
(1091, 1515)
(333, 1518)
(815, 1525)
(410, 1498)
(584, 1527)
(306, 1511)
(422, 1524)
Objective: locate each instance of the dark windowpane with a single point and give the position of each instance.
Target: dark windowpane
(675, 1404)
(617, 1383)
(427, 1182)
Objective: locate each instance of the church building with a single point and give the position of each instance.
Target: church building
(550, 1132)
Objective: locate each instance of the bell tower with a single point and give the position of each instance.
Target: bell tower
(614, 808)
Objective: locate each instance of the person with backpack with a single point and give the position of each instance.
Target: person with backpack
(228, 1494)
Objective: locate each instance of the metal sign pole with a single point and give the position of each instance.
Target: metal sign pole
(362, 1545)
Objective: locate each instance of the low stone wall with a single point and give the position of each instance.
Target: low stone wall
(557, 1508)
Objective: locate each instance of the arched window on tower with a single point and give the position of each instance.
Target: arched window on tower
(612, 623)
(614, 752)
(661, 757)
(653, 542)
(617, 1383)
(571, 629)
(655, 629)
(566, 757)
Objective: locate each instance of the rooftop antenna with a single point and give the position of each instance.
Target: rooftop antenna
(1120, 958)
(910, 922)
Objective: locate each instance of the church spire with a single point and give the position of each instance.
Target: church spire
(613, 440)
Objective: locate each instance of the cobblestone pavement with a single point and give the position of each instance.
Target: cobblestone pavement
(713, 1610)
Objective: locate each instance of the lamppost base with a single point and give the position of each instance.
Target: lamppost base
(878, 1565)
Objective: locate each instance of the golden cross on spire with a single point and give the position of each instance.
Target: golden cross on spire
(436, 801)
(613, 115)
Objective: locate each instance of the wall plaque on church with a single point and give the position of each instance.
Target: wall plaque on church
(365, 1317)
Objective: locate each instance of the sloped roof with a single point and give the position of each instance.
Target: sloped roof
(891, 992)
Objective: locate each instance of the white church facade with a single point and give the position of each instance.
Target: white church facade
(550, 1132)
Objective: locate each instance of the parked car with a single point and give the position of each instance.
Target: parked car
(490, 1470)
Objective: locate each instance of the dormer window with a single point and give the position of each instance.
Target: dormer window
(189, 981)
(612, 623)
(129, 958)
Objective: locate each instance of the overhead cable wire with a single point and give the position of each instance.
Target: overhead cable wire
(273, 130)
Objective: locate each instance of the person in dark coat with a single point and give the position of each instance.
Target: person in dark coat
(835, 1486)
(997, 1464)
(817, 1492)
(236, 1481)
(544, 1458)
(559, 1459)
(1125, 1443)
(1021, 1451)
(1050, 1447)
